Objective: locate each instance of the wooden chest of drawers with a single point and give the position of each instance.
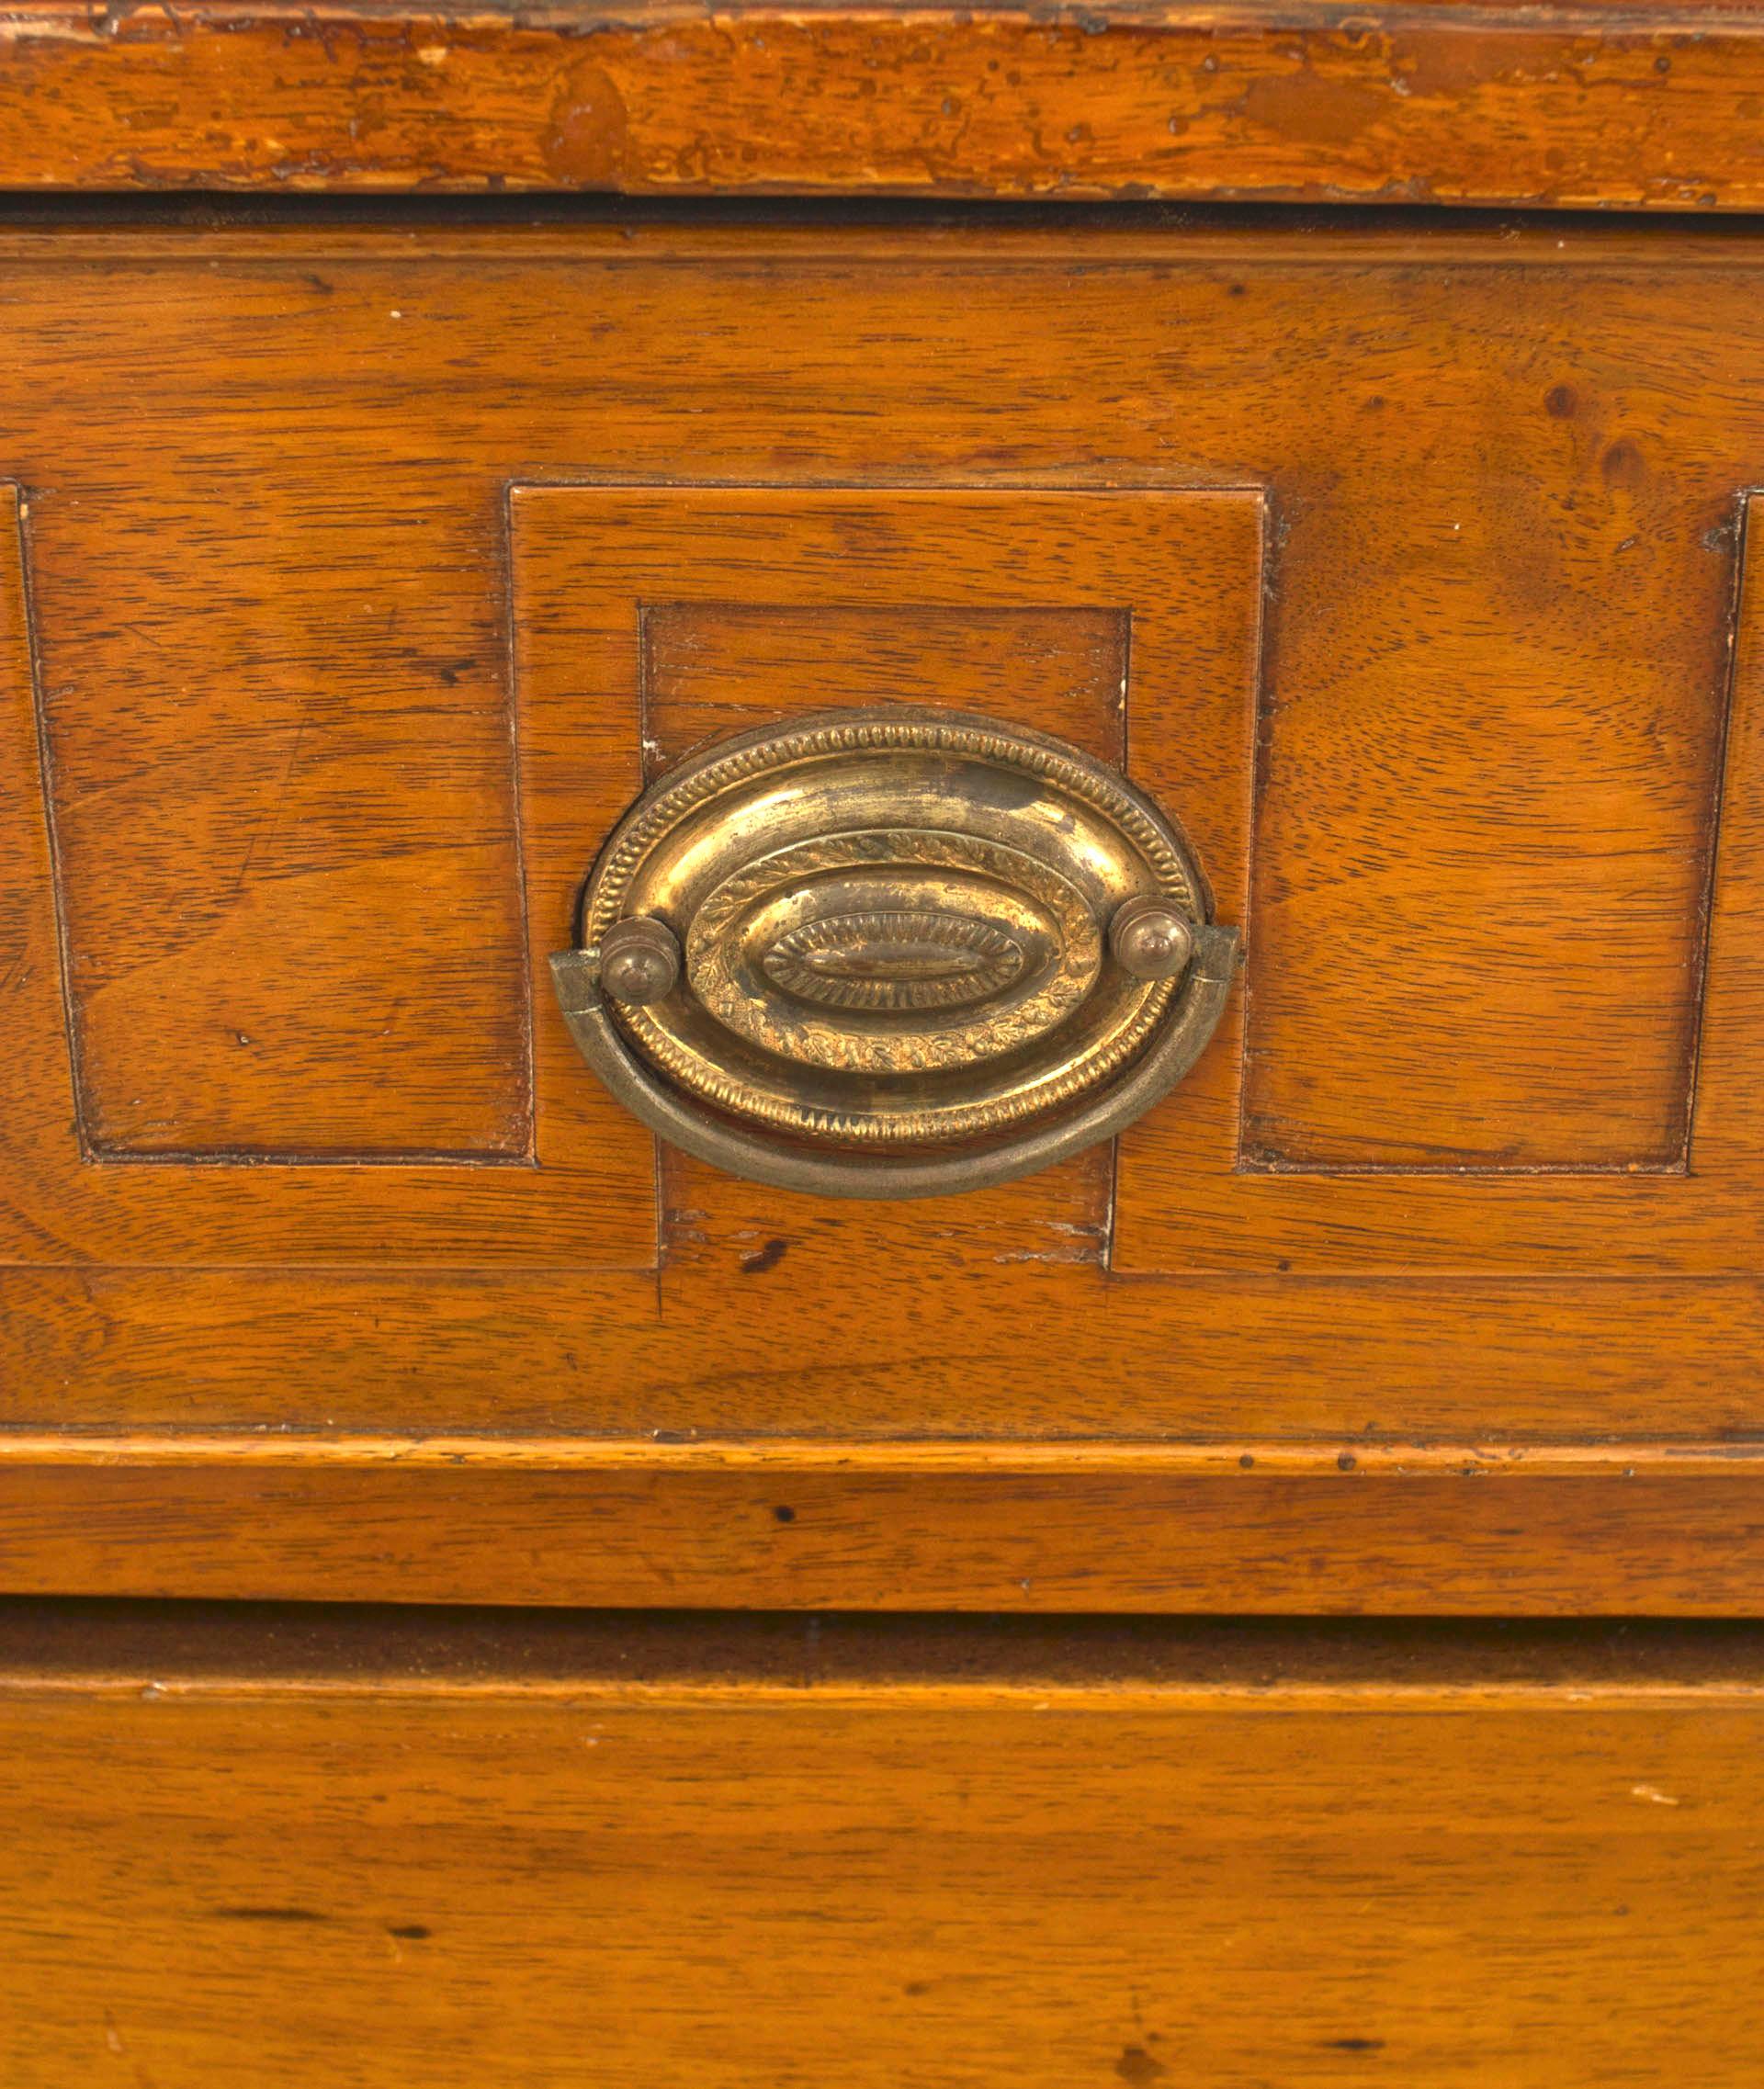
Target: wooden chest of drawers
(1112, 665)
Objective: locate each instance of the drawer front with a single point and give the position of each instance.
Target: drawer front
(360, 578)
(713, 1856)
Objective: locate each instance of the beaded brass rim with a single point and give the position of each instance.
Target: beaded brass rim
(888, 941)
(744, 754)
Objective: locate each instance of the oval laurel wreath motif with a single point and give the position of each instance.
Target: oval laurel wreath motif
(897, 960)
(890, 871)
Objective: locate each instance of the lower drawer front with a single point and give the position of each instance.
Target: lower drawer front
(314, 1850)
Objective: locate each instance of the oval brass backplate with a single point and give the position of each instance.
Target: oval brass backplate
(893, 953)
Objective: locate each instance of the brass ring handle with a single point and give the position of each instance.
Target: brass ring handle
(893, 953)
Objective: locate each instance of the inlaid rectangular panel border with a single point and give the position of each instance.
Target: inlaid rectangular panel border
(1643, 1495)
(512, 1146)
(1180, 1211)
(63, 1207)
(1486, 881)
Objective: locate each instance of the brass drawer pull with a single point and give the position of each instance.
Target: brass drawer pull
(893, 953)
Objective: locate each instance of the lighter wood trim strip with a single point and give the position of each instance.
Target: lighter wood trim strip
(952, 1456)
(1113, 1702)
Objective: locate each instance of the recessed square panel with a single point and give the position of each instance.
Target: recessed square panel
(289, 905)
(1119, 621)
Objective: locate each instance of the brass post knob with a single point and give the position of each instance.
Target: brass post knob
(1151, 938)
(640, 961)
(893, 952)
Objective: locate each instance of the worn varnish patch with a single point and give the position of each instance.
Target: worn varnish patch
(1634, 106)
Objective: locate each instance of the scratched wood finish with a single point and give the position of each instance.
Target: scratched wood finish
(1629, 105)
(1581, 402)
(457, 1850)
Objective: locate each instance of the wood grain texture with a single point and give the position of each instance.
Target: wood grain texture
(786, 368)
(988, 1327)
(364, 960)
(270, 955)
(1368, 867)
(990, 1533)
(1625, 105)
(714, 1858)
(1490, 919)
(724, 667)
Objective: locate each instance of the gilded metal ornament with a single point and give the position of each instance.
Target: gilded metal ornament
(893, 952)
